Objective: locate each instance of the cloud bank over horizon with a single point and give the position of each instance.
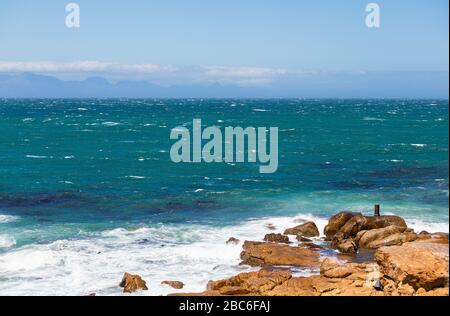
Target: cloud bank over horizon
(160, 74)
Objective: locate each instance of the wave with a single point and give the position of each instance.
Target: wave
(7, 219)
(7, 241)
(191, 253)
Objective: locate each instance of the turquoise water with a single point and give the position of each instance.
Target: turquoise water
(76, 172)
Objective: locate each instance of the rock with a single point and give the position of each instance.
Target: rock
(308, 229)
(351, 228)
(233, 241)
(374, 222)
(347, 247)
(331, 268)
(256, 283)
(132, 283)
(420, 264)
(425, 235)
(352, 285)
(303, 239)
(367, 239)
(443, 291)
(271, 254)
(175, 284)
(276, 238)
(311, 245)
(392, 240)
(346, 225)
(336, 222)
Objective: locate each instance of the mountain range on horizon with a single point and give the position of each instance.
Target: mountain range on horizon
(327, 85)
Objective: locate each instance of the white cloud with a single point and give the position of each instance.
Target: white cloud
(245, 76)
(244, 72)
(81, 66)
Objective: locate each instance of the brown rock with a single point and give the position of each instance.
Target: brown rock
(233, 241)
(270, 254)
(392, 240)
(347, 246)
(303, 239)
(256, 283)
(374, 222)
(175, 284)
(420, 264)
(132, 283)
(330, 268)
(276, 238)
(351, 228)
(369, 238)
(308, 229)
(336, 222)
(443, 291)
(346, 225)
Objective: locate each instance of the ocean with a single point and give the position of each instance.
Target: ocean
(88, 190)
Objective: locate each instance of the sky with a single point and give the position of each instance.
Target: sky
(244, 42)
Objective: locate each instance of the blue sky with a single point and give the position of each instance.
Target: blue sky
(247, 41)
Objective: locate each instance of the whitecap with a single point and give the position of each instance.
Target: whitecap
(110, 123)
(373, 119)
(36, 157)
(7, 219)
(419, 145)
(7, 241)
(135, 177)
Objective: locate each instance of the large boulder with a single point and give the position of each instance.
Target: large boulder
(367, 239)
(347, 225)
(336, 222)
(420, 264)
(392, 240)
(271, 254)
(308, 229)
(132, 283)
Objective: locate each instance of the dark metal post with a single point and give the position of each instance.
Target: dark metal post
(377, 210)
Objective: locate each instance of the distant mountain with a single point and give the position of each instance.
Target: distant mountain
(324, 85)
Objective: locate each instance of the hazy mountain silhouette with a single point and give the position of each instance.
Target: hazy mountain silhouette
(326, 85)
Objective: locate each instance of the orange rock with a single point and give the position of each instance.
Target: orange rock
(420, 264)
(132, 283)
(270, 254)
(308, 229)
(255, 283)
(175, 284)
(276, 238)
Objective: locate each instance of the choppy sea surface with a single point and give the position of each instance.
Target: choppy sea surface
(88, 190)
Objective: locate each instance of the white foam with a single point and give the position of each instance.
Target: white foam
(193, 254)
(36, 157)
(419, 145)
(420, 225)
(7, 218)
(7, 241)
(110, 123)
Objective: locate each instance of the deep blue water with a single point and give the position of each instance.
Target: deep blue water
(96, 164)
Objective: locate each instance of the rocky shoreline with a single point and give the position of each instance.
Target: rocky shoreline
(358, 256)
